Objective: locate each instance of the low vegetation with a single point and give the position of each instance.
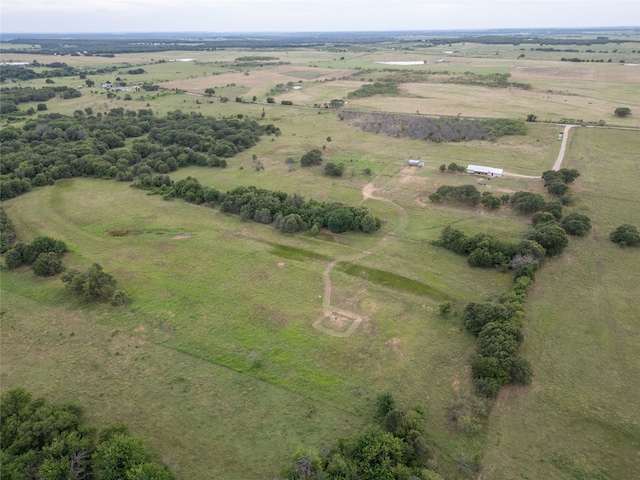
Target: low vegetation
(444, 129)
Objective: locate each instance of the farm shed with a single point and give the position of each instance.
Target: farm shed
(416, 163)
(489, 171)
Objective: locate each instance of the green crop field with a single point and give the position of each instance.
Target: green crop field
(226, 361)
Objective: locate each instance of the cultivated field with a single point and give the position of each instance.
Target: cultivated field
(226, 360)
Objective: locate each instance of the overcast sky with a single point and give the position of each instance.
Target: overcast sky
(104, 16)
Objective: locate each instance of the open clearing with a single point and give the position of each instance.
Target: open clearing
(249, 343)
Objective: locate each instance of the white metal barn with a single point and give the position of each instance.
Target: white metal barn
(488, 171)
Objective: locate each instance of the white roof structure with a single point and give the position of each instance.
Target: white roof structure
(485, 170)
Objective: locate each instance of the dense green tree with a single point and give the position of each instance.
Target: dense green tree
(576, 224)
(527, 202)
(373, 455)
(333, 170)
(312, 157)
(626, 236)
(539, 218)
(369, 224)
(558, 188)
(476, 315)
(92, 285)
(622, 112)
(117, 456)
(521, 371)
(552, 237)
(43, 244)
(47, 265)
(385, 403)
(340, 220)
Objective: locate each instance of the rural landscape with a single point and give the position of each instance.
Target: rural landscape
(325, 256)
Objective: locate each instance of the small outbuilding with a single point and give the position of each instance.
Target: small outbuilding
(416, 163)
(488, 171)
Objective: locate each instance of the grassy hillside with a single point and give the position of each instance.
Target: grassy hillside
(217, 361)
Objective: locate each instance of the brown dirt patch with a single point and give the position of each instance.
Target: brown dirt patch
(280, 264)
(182, 236)
(393, 344)
(338, 322)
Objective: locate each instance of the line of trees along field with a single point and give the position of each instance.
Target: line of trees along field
(56, 146)
(290, 213)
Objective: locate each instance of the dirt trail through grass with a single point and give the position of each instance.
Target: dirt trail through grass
(563, 148)
(333, 315)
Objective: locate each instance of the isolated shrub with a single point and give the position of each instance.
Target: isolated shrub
(47, 265)
(119, 298)
(333, 170)
(446, 307)
(626, 236)
(622, 112)
(92, 285)
(576, 224)
(443, 167)
(312, 157)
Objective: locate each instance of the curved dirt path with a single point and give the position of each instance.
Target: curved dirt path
(563, 147)
(331, 312)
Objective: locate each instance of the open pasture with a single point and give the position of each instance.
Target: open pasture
(579, 419)
(220, 347)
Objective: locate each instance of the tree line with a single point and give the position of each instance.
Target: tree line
(11, 97)
(395, 447)
(290, 213)
(56, 146)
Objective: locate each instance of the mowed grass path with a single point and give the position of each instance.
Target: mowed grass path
(579, 419)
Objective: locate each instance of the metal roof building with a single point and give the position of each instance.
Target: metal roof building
(480, 170)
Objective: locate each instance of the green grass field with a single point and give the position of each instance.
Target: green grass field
(580, 417)
(217, 351)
